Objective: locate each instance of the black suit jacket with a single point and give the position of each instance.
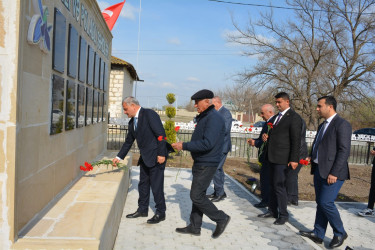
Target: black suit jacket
(227, 146)
(149, 128)
(303, 151)
(334, 149)
(259, 141)
(285, 139)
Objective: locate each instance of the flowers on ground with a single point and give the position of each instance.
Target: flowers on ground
(90, 167)
(87, 167)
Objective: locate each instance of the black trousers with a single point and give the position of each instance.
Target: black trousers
(265, 181)
(292, 183)
(279, 197)
(202, 177)
(151, 178)
(371, 196)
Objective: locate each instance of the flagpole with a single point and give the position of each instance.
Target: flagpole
(139, 34)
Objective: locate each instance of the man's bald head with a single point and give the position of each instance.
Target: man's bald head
(267, 111)
(217, 102)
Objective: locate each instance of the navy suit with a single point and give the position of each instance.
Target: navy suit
(333, 154)
(265, 169)
(149, 129)
(227, 146)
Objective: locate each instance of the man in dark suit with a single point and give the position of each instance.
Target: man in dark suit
(292, 174)
(206, 147)
(267, 112)
(219, 193)
(145, 126)
(283, 149)
(329, 165)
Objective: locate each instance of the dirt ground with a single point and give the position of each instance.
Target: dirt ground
(356, 189)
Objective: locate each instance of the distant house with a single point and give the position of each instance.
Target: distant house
(122, 77)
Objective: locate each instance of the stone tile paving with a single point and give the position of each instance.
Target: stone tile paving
(245, 230)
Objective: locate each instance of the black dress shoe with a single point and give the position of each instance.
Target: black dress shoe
(219, 198)
(294, 203)
(156, 219)
(220, 227)
(338, 240)
(266, 215)
(261, 204)
(280, 221)
(188, 230)
(136, 215)
(312, 236)
(210, 196)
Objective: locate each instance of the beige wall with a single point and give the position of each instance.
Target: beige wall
(43, 164)
(121, 86)
(9, 13)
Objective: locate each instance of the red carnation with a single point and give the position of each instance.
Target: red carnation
(165, 138)
(82, 168)
(250, 129)
(160, 138)
(303, 162)
(88, 165)
(270, 124)
(251, 126)
(177, 128)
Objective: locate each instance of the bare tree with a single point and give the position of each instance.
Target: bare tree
(327, 49)
(189, 106)
(243, 98)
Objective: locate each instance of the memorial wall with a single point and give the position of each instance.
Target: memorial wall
(54, 68)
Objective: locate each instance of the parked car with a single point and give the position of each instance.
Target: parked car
(259, 124)
(236, 123)
(364, 131)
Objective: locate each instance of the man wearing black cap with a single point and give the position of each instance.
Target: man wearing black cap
(206, 147)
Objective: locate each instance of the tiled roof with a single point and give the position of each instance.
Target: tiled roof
(128, 66)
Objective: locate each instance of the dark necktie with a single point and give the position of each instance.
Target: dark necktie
(317, 141)
(278, 119)
(135, 123)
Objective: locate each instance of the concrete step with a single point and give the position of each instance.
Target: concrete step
(85, 216)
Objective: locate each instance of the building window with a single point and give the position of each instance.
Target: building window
(88, 112)
(57, 114)
(80, 106)
(72, 51)
(59, 31)
(90, 66)
(70, 111)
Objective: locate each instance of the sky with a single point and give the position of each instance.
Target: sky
(180, 46)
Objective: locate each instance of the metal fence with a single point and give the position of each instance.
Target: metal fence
(359, 153)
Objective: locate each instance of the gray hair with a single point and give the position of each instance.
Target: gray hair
(269, 107)
(130, 100)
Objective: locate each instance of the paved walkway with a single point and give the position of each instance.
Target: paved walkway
(245, 230)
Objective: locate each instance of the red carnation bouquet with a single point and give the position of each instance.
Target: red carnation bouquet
(90, 167)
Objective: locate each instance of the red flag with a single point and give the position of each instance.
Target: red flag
(111, 14)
